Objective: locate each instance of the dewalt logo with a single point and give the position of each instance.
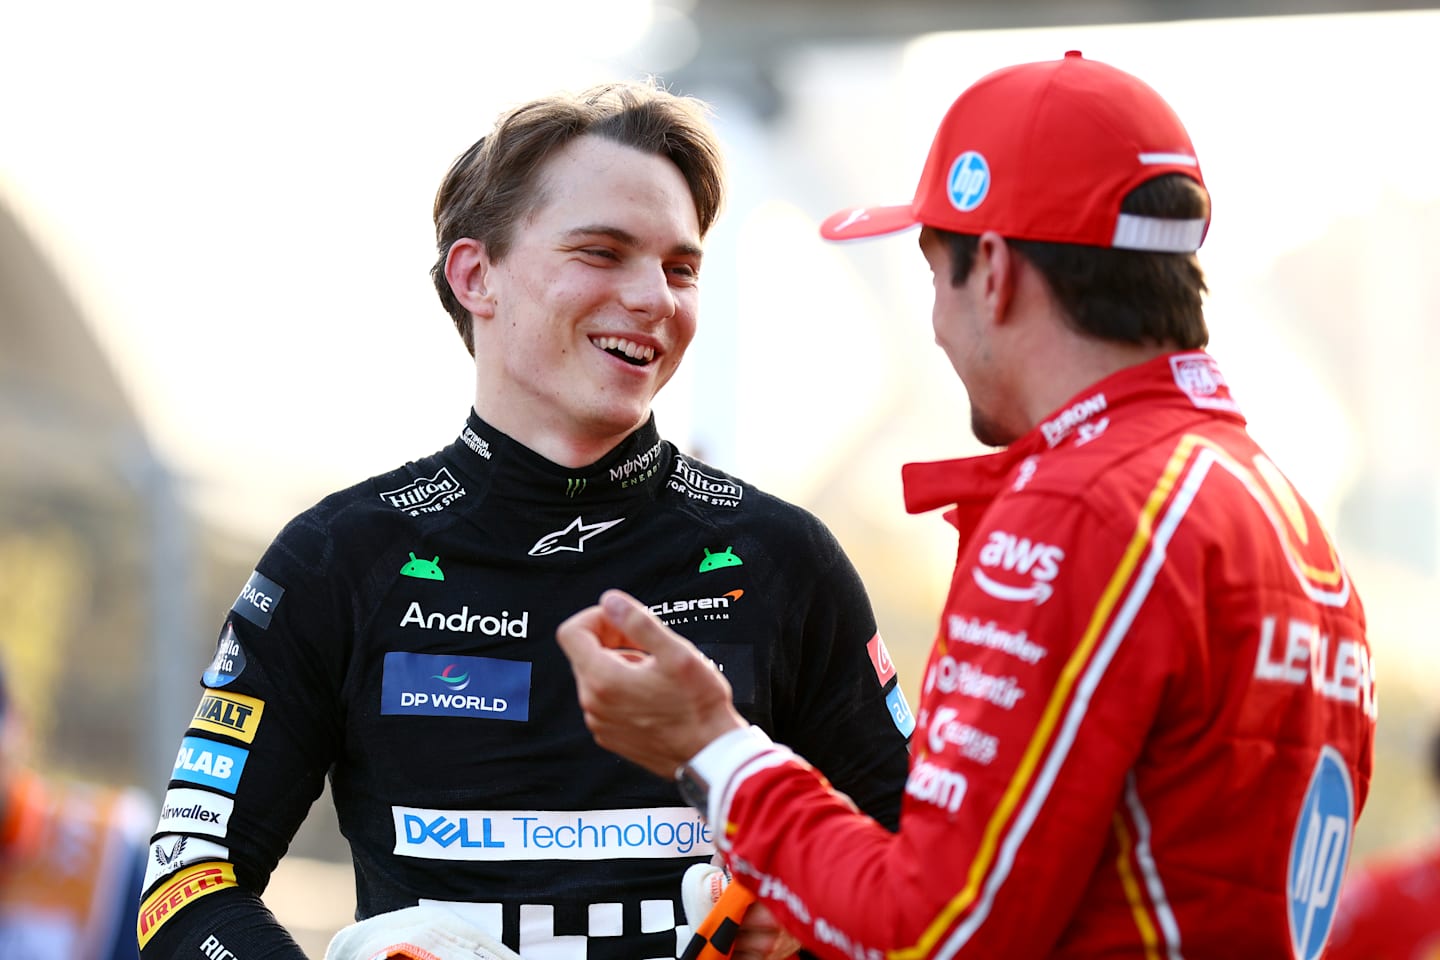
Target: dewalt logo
(231, 714)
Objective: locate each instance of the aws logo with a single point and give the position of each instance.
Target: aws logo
(1013, 559)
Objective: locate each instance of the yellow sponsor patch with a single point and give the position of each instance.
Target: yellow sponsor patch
(232, 714)
(187, 885)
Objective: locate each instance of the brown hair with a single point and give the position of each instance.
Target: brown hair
(1131, 296)
(492, 185)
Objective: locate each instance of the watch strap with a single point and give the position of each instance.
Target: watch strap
(710, 769)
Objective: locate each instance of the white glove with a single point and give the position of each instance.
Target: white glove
(717, 910)
(700, 890)
(416, 933)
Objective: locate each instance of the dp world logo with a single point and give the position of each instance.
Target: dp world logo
(969, 181)
(453, 679)
(1318, 853)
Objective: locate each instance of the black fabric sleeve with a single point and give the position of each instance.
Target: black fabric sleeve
(234, 924)
(836, 708)
(263, 737)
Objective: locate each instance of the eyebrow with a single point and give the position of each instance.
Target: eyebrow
(629, 239)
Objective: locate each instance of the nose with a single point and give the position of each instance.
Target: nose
(647, 293)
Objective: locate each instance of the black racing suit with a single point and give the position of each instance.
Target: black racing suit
(399, 636)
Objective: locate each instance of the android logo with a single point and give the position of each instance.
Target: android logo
(423, 569)
(714, 561)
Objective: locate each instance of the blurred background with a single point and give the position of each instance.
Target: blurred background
(214, 303)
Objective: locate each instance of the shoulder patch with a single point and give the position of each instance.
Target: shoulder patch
(1318, 852)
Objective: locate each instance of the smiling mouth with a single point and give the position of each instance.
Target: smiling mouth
(635, 354)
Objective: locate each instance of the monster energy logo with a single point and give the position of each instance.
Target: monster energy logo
(574, 485)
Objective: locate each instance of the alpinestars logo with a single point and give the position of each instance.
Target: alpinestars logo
(572, 537)
(1018, 555)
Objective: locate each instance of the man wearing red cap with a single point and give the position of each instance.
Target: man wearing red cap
(1146, 721)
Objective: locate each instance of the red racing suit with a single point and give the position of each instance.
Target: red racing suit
(1145, 727)
(1390, 909)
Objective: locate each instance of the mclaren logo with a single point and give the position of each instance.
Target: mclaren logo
(699, 603)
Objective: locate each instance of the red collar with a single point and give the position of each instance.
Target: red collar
(1185, 382)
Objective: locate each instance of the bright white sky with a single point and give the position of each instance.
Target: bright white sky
(240, 198)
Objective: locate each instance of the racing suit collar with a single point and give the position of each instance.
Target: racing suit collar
(633, 465)
(1186, 380)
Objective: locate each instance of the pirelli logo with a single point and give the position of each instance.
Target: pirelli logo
(231, 714)
(186, 886)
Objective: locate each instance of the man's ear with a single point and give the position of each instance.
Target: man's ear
(467, 269)
(994, 256)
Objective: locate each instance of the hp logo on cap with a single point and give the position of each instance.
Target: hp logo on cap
(969, 181)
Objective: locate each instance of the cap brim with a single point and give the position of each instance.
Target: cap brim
(857, 222)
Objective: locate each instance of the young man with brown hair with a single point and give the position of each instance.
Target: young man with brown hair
(399, 635)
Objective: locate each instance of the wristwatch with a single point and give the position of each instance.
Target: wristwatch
(717, 762)
(694, 788)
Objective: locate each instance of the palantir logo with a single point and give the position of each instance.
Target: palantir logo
(969, 181)
(1318, 853)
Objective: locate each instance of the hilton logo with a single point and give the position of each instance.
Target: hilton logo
(426, 495)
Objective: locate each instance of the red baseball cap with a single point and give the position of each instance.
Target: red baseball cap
(1046, 151)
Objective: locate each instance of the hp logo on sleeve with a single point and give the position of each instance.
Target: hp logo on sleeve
(1318, 853)
(969, 181)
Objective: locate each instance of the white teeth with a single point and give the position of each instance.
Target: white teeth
(630, 348)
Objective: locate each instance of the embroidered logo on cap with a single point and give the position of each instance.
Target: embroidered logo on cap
(969, 181)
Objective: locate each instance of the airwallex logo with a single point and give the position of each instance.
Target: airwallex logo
(417, 684)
